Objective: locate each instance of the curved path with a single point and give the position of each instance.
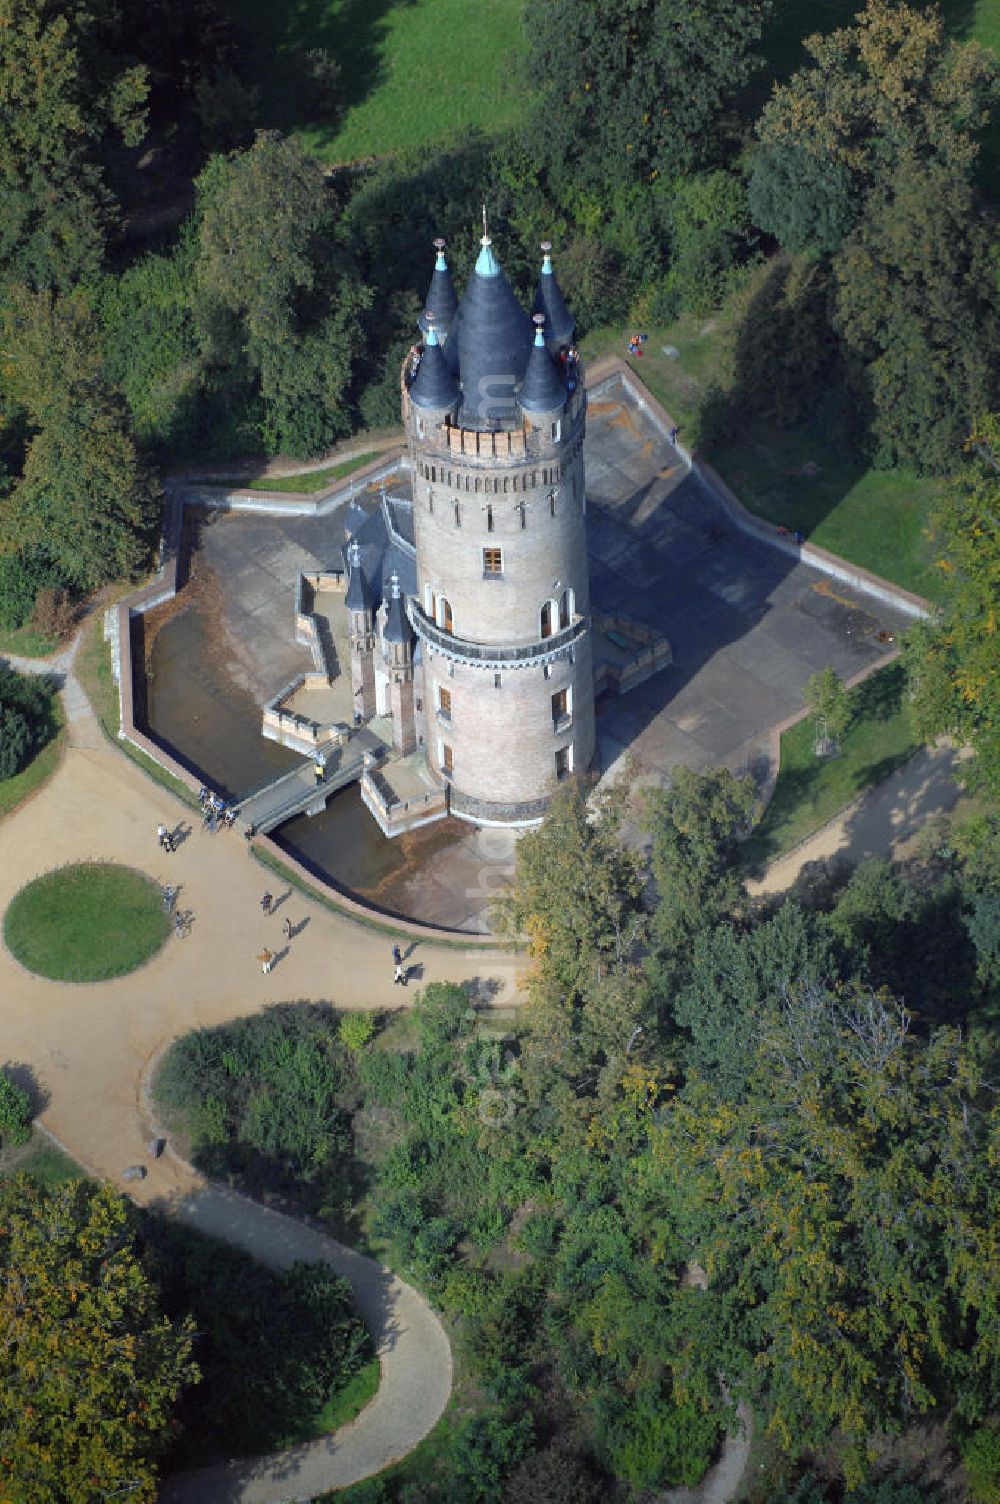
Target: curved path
(88, 1049)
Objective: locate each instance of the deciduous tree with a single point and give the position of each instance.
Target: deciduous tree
(91, 1368)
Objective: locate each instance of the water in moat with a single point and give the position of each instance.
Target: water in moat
(198, 711)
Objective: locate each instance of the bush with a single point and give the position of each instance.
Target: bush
(657, 1442)
(355, 1030)
(441, 1013)
(22, 576)
(15, 1113)
(52, 614)
(27, 718)
(981, 1455)
(273, 1346)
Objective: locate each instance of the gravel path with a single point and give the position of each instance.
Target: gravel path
(88, 1050)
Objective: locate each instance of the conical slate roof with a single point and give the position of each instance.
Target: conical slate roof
(559, 325)
(359, 595)
(397, 628)
(433, 386)
(493, 335)
(441, 301)
(543, 390)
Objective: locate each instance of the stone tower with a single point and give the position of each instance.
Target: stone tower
(494, 408)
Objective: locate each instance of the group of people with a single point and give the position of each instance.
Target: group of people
(635, 344)
(165, 839)
(215, 811)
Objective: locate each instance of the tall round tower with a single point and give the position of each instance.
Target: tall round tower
(494, 410)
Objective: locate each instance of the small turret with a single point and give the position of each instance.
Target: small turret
(441, 302)
(559, 325)
(543, 390)
(434, 387)
(359, 595)
(397, 630)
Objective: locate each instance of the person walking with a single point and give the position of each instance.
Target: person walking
(319, 767)
(266, 902)
(286, 928)
(266, 959)
(399, 975)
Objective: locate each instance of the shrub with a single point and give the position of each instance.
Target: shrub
(16, 741)
(22, 576)
(981, 1455)
(355, 1030)
(15, 1113)
(52, 614)
(441, 1013)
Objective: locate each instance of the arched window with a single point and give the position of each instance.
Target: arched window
(566, 605)
(547, 624)
(444, 617)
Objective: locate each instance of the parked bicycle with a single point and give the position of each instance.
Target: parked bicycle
(169, 898)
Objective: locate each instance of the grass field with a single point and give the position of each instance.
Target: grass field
(413, 72)
(39, 1157)
(835, 506)
(313, 480)
(811, 790)
(27, 642)
(86, 922)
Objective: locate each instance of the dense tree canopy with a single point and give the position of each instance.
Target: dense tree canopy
(636, 87)
(85, 495)
(889, 91)
(954, 663)
(91, 1368)
(63, 87)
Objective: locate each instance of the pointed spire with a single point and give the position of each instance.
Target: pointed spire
(560, 327)
(442, 300)
(487, 264)
(396, 629)
(434, 387)
(543, 390)
(359, 596)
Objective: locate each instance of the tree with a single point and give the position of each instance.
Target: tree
(917, 308)
(85, 497)
(694, 825)
(91, 1368)
(15, 1113)
(273, 290)
(27, 718)
(711, 233)
(953, 666)
(576, 895)
(844, 1207)
(636, 89)
(827, 699)
(62, 91)
(887, 92)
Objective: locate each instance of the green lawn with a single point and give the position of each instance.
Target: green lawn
(39, 1157)
(345, 1406)
(27, 642)
(86, 922)
(314, 480)
(875, 518)
(14, 791)
(413, 72)
(811, 790)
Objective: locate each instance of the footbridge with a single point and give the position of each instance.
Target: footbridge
(299, 791)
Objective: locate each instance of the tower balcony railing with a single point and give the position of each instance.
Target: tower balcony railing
(494, 655)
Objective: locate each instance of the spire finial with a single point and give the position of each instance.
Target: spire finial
(538, 319)
(354, 553)
(431, 337)
(486, 233)
(546, 248)
(440, 264)
(394, 585)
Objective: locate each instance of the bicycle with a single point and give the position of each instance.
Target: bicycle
(182, 924)
(169, 898)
